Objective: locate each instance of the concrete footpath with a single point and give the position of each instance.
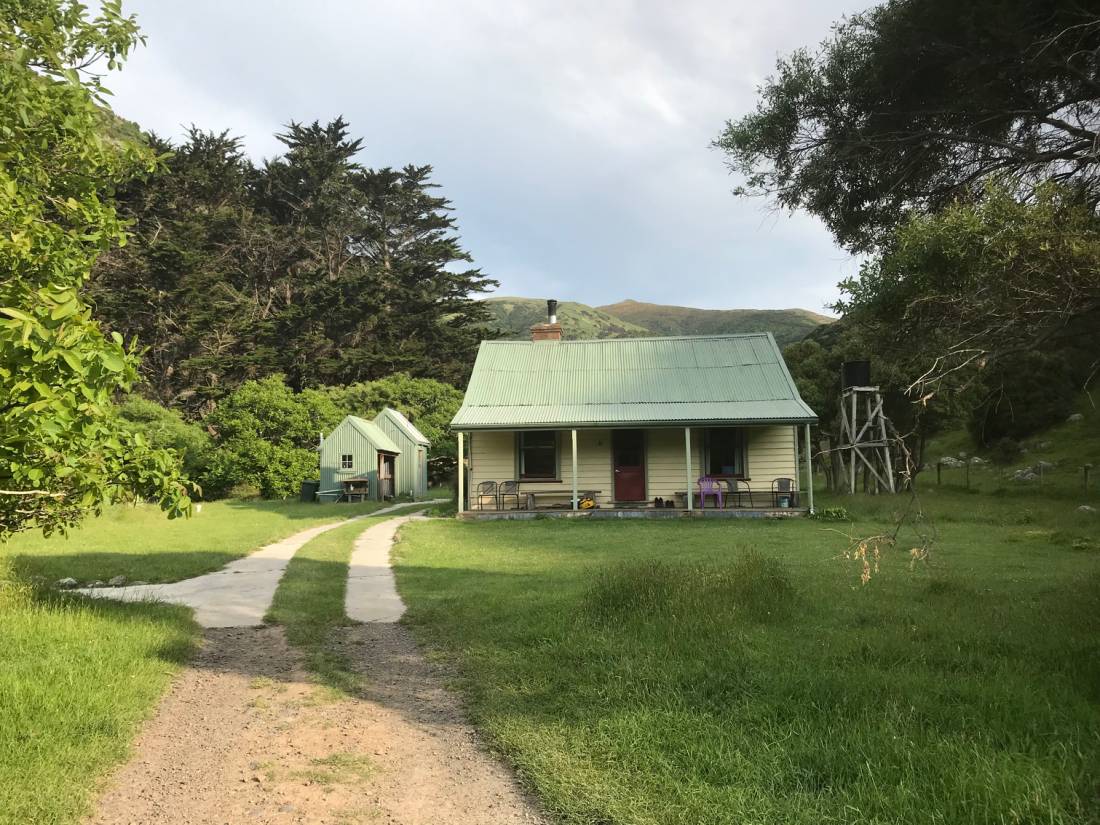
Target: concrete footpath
(372, 591)
(240, 594)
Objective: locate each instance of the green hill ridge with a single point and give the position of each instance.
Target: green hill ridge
(634, 319)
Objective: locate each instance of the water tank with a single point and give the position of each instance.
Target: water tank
(855, 374)
(308, 491)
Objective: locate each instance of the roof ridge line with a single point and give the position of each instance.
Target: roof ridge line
(707, 337)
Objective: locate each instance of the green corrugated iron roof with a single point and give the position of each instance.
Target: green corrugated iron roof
(655, 381)
(401, 421)
(374, 434)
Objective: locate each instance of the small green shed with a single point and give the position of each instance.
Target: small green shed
(358, 449)
(412, 464)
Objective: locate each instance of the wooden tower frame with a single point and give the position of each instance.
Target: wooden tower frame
(863, 438)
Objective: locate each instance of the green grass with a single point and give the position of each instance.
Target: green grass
(141, 544)
(77, 677)
(737, 672)
(309, 603)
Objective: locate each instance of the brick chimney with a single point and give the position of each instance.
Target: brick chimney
(551, 330)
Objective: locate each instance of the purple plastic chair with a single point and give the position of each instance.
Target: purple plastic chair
(709, 487)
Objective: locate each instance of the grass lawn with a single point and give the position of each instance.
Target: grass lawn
(77, 677)
(141, 544)
(310, 603)
(738, 672)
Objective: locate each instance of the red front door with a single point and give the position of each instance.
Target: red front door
(628, 458)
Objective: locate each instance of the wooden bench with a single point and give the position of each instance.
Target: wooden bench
(532, 496)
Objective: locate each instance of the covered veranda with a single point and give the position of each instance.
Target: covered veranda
(675, 471)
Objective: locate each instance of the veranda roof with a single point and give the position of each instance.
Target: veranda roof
(697, 380)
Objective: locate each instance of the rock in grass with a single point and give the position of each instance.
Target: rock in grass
(116, 581)
(1075, 417)
(96, 583)
(1084, 508)
(66, 583)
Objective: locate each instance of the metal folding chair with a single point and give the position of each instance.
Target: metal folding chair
(505, 490)
(784, 487)
(486, 490)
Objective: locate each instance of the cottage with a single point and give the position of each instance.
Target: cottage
(645, 424)
(377, 459)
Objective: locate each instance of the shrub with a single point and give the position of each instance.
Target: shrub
(1033, 390)
(1006, 450)
(266, 435)
(831, 514)
(165, 428)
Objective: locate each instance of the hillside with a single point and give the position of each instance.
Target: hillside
(787, 325)
(516, 316)
(635, 319)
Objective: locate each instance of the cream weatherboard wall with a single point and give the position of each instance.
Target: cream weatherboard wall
(770, 454)
(493, 458)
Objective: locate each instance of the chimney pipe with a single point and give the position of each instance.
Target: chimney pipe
(551, 330)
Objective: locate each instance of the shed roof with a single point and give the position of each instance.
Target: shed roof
(373, 433)
(407, 426)
(636, 381)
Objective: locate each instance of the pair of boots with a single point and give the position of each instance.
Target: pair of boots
(660, 502)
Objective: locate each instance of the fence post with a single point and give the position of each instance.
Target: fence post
(1086, 469)
(968, 474)
(939, 466)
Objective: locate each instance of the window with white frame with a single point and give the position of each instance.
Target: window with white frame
(538, 455)
(347, 461)
(725, 452)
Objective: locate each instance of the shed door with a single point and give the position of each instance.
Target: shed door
(628, 457)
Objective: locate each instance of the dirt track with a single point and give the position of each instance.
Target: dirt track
(244, 736)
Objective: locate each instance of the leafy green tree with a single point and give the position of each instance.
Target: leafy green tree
(975, 285)
(915, 104)
(63, 451)
(266, 436)
(167, 429)
(199, 278)
(433, 325)
(815, 364)
(311, 266)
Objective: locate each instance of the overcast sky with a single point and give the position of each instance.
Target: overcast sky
(572, 137)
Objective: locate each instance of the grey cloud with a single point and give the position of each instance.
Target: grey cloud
(572, 137)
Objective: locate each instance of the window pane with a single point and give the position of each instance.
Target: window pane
(725, 458)
(539, 455)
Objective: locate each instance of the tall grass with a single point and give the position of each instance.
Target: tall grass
(76, 680)
(752, 586)
(730, 672)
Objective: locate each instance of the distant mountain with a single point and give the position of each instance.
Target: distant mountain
(633, 319)
(787, 325)
(515, 316)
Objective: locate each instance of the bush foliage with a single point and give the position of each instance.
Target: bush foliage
(266, 437)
